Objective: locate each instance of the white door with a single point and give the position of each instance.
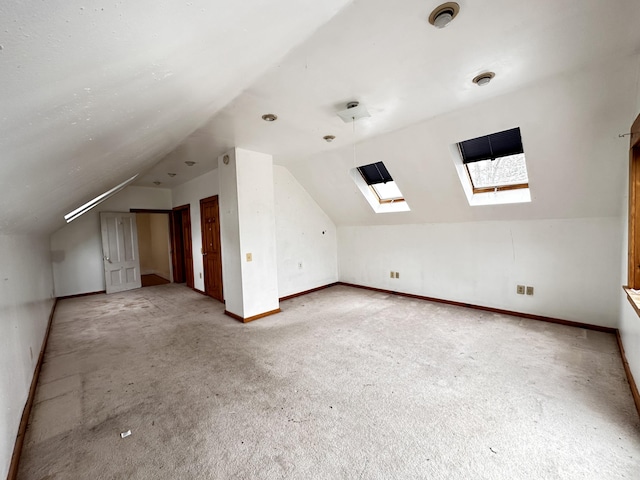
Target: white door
(120, 251)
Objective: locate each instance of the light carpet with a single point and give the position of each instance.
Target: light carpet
(343, 384)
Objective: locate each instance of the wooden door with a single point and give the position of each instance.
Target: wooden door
(120, 251)
(188, 246)
(211, 252)
(182, 256)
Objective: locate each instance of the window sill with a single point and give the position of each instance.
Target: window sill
(634, 298)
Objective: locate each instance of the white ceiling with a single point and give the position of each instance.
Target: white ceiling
(94, 92)
(93, 96)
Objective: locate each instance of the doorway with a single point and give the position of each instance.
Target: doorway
(154, 244)
(182, 255)
(211, 251)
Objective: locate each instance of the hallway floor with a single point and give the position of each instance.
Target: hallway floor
(343, 384)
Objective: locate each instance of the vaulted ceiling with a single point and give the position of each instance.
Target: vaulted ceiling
(93, 93)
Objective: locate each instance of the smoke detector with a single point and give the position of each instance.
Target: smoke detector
(354, 112)
(444, 14)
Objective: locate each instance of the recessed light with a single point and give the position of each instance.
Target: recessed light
(171, 174)
(269, 117)
(157, 183)
(190, 163)
(329, 138)
(444, 14)
(483, 79)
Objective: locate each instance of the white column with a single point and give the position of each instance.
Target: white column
(248, 234)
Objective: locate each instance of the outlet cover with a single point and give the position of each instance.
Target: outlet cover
(529, 290)
(397, 274)
(392, 275)
(520, 289)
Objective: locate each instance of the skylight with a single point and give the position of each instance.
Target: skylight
(379, 179)
(71, 216)
(495, 162)
(493, 168)
(379, 188)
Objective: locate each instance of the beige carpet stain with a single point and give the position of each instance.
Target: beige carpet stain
(343, 384)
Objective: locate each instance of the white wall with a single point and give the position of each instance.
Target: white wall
(629, 323)
(299, 226)
(76, 249)
(160, 245)
(190, 193)
(574, 264)
(143, 225)
(248, 233)
(26, 299)
(304, 234)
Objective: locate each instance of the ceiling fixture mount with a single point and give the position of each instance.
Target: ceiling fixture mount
(354, 112)
(157, 183)
(171, 174)
(483, 79)
(190, 163)
(329, 138)
(269, 117)
(444, 14)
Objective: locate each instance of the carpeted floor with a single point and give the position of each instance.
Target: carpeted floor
(343, 384)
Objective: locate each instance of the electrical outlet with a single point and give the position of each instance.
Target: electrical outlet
(249, 257)
(529, 290)
(299, 264)
(397, 274)
(520, 289)
(392, 275)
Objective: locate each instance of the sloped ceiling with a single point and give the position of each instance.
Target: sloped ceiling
(93, 94)
(566, 73)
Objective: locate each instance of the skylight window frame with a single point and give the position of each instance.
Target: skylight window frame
(484, 196)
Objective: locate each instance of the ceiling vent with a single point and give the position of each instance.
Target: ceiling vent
(483, 79)
(444, 14)
(354, 112)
